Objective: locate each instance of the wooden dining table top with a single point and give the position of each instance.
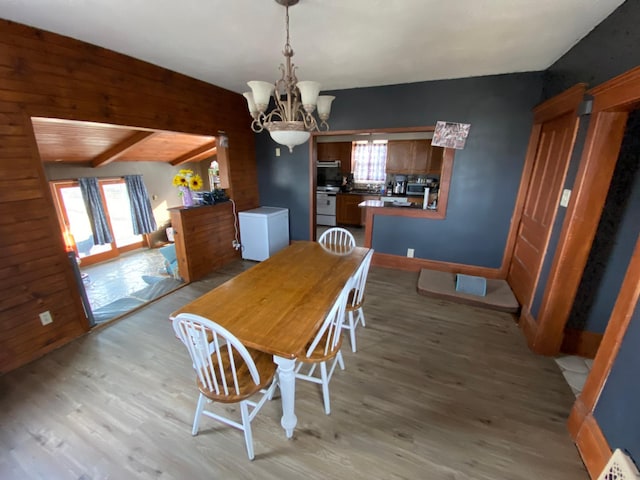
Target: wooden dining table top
(278, 305)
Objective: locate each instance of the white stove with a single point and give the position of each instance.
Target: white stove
(326, 205)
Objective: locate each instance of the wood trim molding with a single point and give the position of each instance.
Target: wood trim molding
(331, 133)
(621, 315)
(516, 216)
(313, 158)
(619, 93)
(590, 189)
(567, 101)
(528, 325)
(580, 342)
(593, 446)
(416, 264)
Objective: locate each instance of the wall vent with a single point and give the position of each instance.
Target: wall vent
(619, 467)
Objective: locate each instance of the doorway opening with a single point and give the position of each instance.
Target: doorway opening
(607, 262)
(115, 277)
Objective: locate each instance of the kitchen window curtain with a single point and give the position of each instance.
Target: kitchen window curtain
(370, 159)
(141, 213)
(95, 210)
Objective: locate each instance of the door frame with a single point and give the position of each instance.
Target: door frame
(612, 102)
(582, 425)
(63, 220)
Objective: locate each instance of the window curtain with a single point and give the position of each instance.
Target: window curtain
(370, 159)
(95, 210)
(141, 213)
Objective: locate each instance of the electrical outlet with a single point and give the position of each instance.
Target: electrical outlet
(410, 252)
(46, 318)
(277, 151)
(566, 196)
(235, 244)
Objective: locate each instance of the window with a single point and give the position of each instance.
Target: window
(76, 227)
(369, 161)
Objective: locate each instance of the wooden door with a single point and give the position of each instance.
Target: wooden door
(553, 152)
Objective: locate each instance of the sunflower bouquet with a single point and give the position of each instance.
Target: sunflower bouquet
(187, 179)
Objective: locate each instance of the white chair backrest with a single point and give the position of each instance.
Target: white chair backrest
(331, 328)
(338, 237)
(215, 352)
(360, 279)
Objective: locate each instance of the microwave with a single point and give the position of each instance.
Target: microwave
(416, 189)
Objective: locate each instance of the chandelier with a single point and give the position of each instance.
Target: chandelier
(292, 119)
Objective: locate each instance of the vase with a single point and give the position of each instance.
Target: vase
(187, 199)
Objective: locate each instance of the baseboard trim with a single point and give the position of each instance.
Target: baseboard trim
(416, 264)
(593, 446)
(529, 326)
(581, 342)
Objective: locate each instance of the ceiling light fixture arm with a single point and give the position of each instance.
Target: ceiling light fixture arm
(292, 118)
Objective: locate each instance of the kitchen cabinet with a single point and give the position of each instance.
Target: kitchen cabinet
(329, 152)
(413, 157)
(347, 210)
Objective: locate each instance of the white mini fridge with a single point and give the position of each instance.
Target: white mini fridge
(263, 232)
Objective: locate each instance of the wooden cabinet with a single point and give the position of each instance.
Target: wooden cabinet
(413, 157)
(347, 210)
(203, 238)
(435, 160)
(329, 152)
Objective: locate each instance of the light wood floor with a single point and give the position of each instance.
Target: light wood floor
(436, 391)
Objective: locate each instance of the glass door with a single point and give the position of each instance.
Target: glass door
(114, 192)
(76, 228)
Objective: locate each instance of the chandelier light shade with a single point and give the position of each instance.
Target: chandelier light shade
(291, 122)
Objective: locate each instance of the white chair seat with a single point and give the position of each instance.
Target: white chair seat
(227, 372)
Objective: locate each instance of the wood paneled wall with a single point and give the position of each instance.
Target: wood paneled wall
(48, 75)
(203, 239)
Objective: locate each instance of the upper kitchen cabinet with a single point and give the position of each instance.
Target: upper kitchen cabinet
(332, 151)
(414, 157)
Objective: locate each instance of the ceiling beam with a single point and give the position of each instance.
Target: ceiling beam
(120, 149)
(206, 150)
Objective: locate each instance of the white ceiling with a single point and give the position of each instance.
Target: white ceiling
(340, 43)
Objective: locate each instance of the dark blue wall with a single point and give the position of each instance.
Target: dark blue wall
(617, 408)
(485, 176)
(609, 50)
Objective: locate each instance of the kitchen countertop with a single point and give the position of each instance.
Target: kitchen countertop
(381, 204)
(361, 192)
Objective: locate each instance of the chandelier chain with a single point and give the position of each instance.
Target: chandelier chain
(290, 115)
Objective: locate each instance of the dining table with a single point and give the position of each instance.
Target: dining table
(278, 305)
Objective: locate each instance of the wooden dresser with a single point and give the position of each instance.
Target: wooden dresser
(203, 238)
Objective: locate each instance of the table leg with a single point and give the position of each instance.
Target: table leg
(287, 379)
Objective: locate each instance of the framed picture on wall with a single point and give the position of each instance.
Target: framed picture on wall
(450, 135)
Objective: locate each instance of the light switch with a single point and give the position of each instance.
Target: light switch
(566, 196)
(277, 151)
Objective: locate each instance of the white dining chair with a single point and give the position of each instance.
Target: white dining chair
(324, 347)
(226, 371)
(337, 237)
(354, 314)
